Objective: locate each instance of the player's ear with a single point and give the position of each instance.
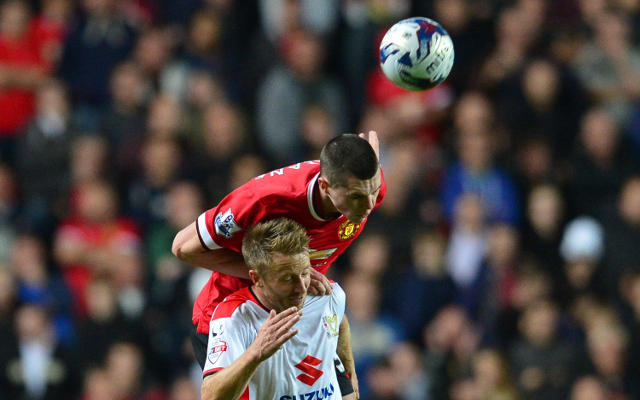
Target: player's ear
(255, 278)
(323, 184)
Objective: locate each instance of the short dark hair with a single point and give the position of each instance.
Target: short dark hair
(262, 241)
(348, 154)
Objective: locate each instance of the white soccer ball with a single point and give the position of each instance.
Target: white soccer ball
(416, 54)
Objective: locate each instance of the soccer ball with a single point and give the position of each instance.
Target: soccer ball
(416, 54)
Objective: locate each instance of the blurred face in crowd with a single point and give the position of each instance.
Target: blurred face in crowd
(14, 18)
(599, 135)
(588, 388)
(545, 210)
(97, 202)
(541, 83)
(629, 203)
(539, 322)
(304, 55)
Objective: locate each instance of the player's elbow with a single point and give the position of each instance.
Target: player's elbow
(176, 247)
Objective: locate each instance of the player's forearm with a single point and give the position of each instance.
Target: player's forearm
(187, 247)
(344, 347)
(231, 382)
(221, 260)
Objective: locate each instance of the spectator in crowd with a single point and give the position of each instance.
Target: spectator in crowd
(622, 235)
(601, 161)
(125, 367)
(545, 102)
(49, 30)
(21, 72)
(146, 196)
(451, 341)
(288, 89)
(9, 203)
(372, 334)
(475, 170)
(41, 285)
(467, 248)
(608, 64)
(492, 376)
(544, 363)
(543, 228)
(123, 122)
(98, 385)
(35, 365)
(97, 242)
(399, 375)
(99, 40)
(42, 160)
(104, 326)
(582, 249)
(588, 387)
(607, 346)
(428, 281)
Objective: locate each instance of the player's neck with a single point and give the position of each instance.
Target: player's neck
(262, 299)
(322, 204)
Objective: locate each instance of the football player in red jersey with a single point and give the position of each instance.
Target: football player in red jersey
(331, 198)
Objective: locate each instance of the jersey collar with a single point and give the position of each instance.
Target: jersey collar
(312, 184)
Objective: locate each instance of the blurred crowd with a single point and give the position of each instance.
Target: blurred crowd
(504, 263)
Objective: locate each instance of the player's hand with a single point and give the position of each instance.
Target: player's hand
(319, 285)
(373, 141)
(275, 332)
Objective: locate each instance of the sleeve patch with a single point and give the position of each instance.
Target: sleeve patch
(216, 348)
(225, 224)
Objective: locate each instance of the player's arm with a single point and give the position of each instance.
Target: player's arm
(229, 383)
(188, 248)
(346, 354)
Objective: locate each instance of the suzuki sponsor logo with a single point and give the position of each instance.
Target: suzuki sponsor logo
(311, 374)
(319, 394)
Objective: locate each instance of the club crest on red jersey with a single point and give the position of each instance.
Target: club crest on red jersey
(348, 230)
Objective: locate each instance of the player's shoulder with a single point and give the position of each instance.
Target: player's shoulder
(231, 304)
(338, 293)
(285, 183)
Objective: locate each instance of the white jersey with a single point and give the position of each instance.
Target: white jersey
(302, 369)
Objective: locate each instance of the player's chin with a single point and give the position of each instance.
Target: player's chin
(297, 301)
(358, 219)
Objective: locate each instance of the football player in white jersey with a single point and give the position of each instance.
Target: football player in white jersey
(254, 351)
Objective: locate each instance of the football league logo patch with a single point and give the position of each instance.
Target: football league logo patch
(347, 230)
(218, 347)
(226, 225)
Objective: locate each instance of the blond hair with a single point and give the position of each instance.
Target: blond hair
(262, 241)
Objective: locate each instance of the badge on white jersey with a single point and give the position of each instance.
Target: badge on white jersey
(226, 225)
(217, 347)
(330, 324)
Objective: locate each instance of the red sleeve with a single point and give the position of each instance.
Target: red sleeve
(225, 224)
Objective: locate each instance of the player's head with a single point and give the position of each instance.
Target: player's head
(350, 176)
(277, 254)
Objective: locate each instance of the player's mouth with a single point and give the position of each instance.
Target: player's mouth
(297, 300)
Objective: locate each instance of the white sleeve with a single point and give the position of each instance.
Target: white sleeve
(226, 343)
(339, 297)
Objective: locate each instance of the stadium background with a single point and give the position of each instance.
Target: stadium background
(503, 263)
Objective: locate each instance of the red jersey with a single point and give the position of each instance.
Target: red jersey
(285, 192)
